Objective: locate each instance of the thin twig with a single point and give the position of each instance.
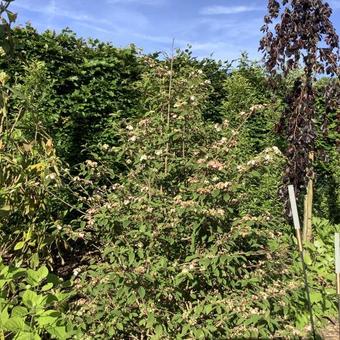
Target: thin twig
(169, 105)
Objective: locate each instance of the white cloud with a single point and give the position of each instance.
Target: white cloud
(115, 20)
(154, 38)
(210, 47)
(51, 9)
(218, 50)
(218, 10)
(139, 2)
(231, 28)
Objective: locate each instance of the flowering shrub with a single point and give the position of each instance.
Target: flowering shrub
(192, 238)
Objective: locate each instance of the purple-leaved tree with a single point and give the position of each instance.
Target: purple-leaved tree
(298, 34)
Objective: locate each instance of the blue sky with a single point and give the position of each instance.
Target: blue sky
(223, 28)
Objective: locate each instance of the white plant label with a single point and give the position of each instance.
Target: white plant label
(337, 252)
(293, 206)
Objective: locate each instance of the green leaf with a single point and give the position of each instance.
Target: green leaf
(4, 316)
(19, 311)
(208, 309)
(36, 276)
(19, 245)
(226, 198)
(307, 259)
(141, 292)
(252, 320)
(151, 320)
(47, 286)
(199, 334)
(30, 298)
(47, 320)
(27, 335)
(315, 297)
(215, 193)
(32, 277)
(120, 326)
(15, 324)
(12, 17)
(42, 273)
(131, 258)
(185, 329)
(35, 260)
(58, 296)
(5, 210)
(59, 332)
(3, 282)
(159, 331)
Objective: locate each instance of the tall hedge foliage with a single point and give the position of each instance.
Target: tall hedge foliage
(90, 81)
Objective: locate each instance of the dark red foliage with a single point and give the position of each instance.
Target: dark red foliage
(300, 34)
(296, 38)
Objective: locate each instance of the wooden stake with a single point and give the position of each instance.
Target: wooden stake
(337, 272)
(307, 220)
(296, 222)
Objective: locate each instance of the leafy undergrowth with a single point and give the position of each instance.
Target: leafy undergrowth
(32, 303)
(213, 293)
(210, 294)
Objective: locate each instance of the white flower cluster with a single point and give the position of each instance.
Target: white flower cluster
(216, 165)
(184, 204)
(143, 158)
(3, 78)
(193, 180)
(179, 104)
(91, 164)
(222, 186)
(221, 143)
(215, 212)
(52, 176)
(144, 122)
(257, 107)
(252, 110)
(264, 158)
(150, 62)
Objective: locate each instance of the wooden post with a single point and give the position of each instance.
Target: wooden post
(308, 205)
(337, 272)
(296, 222)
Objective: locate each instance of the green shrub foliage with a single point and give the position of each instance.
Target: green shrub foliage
(152, 183)
(90, 81)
